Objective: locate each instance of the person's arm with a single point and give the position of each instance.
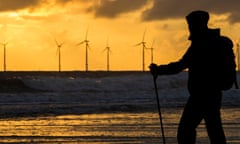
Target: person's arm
(173, 67)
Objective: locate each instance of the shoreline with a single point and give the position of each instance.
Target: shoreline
(92, 74)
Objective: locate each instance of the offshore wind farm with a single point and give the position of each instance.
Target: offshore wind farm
(143, 61)
(87, 47)
(58, 52)
(108, 51)
(143, 43)
(4, 56)
(85, 43)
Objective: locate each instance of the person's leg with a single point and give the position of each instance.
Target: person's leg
(215, 129)
(213, 120)
(190, 119)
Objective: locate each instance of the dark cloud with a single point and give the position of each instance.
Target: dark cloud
(13, 5)
(66, 1)
(112, 8)
(167, 9)
(161, 9)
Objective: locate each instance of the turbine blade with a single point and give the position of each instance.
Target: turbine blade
(4, 43)
(104, 50)
(138, 44)
(144, 33)
(153, 43)
(86, 36)
(81, 42)
(107, 41)
(56, 42)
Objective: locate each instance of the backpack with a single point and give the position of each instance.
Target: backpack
(228, 73)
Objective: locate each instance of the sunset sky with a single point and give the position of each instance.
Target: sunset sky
(30, 27)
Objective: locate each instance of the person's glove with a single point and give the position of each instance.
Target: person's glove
(154, 70)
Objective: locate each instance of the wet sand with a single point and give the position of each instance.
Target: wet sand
(108, 128)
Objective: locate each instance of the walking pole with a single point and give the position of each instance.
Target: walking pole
(159, 111)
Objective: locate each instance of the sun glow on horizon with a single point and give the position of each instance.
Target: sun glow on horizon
(31, 35)
(13, 14)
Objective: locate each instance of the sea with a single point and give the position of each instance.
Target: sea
(98, 107)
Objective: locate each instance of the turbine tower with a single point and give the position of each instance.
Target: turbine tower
(4, 56)
(151, 48)
(59, 54)
(108, 55)
(238, 56)
(143, 43)
(86, 41)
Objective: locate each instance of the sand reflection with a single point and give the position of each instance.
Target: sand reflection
(105, 128)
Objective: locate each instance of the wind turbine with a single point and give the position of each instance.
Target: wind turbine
(108, 54)
(238, 55)
(86, 41)
(151, 48)
(59, 45)
(143, 43)
(4, 55)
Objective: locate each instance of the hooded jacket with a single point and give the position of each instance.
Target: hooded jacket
(201, 60)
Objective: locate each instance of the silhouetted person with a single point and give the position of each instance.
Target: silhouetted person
(200, 59)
